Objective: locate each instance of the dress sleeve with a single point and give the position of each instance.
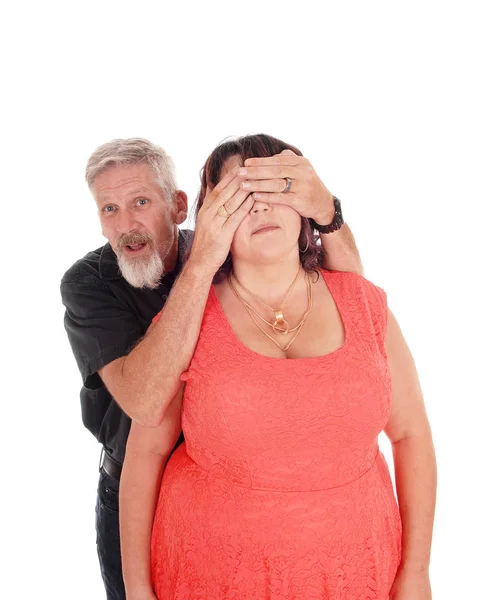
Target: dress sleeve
(99, 327)
(156, 318)
(377, 299)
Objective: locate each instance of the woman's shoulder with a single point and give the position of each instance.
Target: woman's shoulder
(362, 295)
(348, 276)
(355, 281)
(345, 277)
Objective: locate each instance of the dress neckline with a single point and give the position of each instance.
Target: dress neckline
(329, 280)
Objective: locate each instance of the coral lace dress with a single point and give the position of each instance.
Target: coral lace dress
(280, 490)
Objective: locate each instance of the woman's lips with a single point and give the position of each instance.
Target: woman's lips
(265, 229)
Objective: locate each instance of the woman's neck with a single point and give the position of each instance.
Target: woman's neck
(269, 281)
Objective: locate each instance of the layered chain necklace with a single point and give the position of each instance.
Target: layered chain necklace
(280, 326)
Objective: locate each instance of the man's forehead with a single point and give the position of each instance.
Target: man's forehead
(124, 179)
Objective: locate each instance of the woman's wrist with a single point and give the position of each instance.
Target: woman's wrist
(414, 567)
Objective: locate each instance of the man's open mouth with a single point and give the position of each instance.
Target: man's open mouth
(135, 248)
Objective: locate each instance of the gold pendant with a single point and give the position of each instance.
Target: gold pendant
(280, 325)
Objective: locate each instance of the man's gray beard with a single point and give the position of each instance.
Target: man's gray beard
(143, 271)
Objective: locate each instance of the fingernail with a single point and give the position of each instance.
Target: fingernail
(242, 171)
(246, 185)
(256, 195)
(248, 162)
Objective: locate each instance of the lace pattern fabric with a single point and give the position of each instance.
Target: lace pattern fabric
(280, 490)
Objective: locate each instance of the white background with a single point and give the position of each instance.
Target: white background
(386, 101)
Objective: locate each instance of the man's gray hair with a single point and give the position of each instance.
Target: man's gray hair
(133, 151)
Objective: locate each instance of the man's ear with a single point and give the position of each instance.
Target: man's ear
(181, 207)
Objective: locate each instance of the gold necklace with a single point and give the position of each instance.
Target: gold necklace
(280, 325)
(252, 309)
(296, 329)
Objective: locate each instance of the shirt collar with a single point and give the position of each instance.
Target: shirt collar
(108, 261)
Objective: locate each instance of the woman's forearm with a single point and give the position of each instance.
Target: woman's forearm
(147, 452)
(416, 482)
(140, 484)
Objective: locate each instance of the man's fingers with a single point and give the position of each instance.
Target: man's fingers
(236, 201)
(226, 198)
(270, 172)
(224, 189)
(265, 185)
(289, 198)
(239, 215)
(290, 159)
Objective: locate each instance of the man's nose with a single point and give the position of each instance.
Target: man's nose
(125, 221)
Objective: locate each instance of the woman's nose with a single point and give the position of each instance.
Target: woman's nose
(260, 207)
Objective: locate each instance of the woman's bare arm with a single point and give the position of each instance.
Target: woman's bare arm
(147, 452)
(415, 466)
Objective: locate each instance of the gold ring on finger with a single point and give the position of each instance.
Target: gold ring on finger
(288, 185)
(223, 212)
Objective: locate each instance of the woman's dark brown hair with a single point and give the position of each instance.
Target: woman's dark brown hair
(256, 146)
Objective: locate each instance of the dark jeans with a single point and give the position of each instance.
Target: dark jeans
(107, 529)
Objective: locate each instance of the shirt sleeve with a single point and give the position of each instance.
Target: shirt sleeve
(99, 326)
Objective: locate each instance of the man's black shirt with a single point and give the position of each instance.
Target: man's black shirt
(105, 317)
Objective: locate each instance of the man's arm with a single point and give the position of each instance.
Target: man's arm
(340, 251)
(308, 196)
(145, 381)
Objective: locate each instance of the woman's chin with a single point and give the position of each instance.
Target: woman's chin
(266, 256)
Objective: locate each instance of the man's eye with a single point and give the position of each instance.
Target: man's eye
(109, 208)
(142, 201)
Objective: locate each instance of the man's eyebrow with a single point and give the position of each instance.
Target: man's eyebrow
(133, 192)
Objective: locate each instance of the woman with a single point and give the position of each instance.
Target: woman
(280, 490)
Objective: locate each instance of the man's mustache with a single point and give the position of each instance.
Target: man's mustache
(134, 238)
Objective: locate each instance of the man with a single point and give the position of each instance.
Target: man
(112, 294)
